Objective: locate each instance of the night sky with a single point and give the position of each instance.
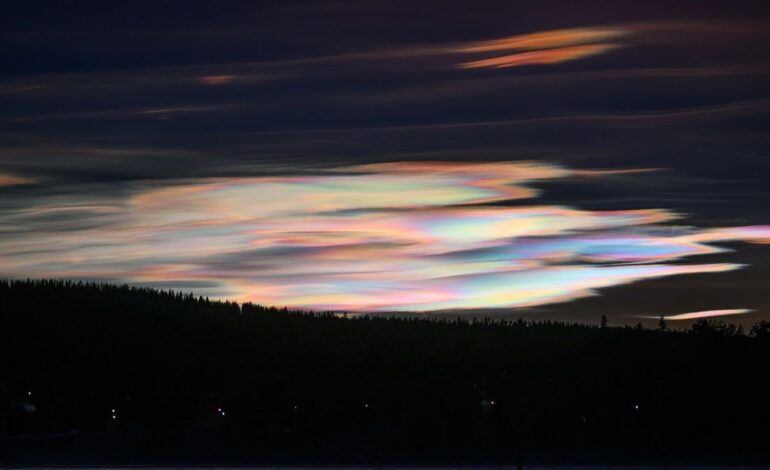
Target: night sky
(545, 160)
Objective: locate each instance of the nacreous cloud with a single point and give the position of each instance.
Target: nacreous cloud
(13, 180)
(541, 48)
(547, 39)
(705, 314)
(548, 56)
(382, 237)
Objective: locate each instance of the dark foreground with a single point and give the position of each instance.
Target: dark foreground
(104, 375)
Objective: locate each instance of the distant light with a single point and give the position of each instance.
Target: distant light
(492, 402)
(296, 407)
(113, 410)
(366, 405)
(636, 407)
(223, 413)
(219, 410)
(29, 393)
(114, 417)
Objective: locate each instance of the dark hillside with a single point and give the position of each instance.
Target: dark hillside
(216, 381)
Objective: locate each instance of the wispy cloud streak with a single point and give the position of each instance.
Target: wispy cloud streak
(14, 180)
(548, 56)
(705, 314)
(544, 47)
(547, 39)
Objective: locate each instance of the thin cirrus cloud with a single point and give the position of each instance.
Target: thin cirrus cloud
(380, 237)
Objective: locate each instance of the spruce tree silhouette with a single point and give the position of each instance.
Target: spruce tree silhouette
(186, 375)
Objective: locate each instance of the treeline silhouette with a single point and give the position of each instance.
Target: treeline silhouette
(158, 373)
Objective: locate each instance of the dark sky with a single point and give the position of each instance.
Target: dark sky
(227, 148)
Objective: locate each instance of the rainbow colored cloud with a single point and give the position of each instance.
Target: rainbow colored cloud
(382, 237)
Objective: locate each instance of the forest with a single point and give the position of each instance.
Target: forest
(120, 374)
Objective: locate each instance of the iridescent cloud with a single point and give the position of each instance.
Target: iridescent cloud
(544, 47)
(705, 314)
(381, 237)
(217, 79)
(13, 180)
(547, 39)
(547, 56)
